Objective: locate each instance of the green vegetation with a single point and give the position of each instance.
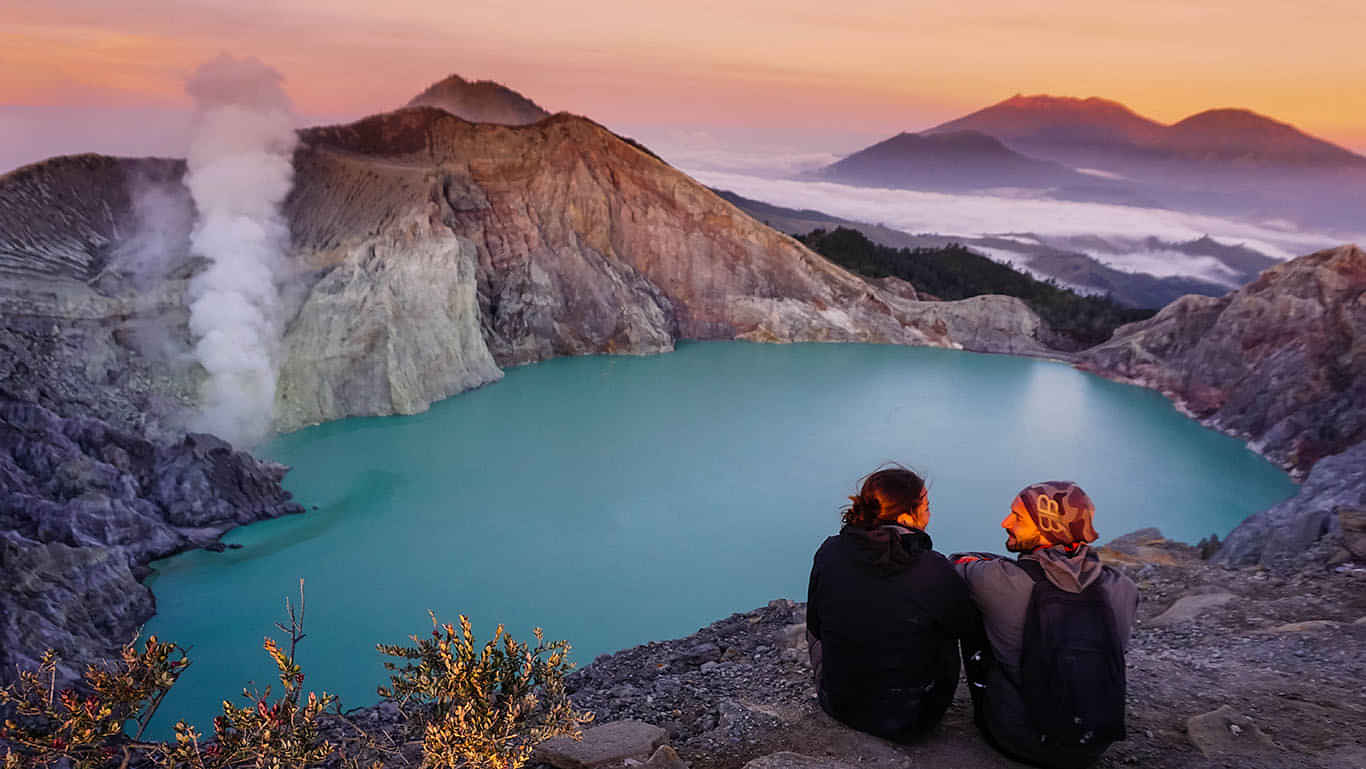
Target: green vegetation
(954, 272)
(467, 709)
(488, 708)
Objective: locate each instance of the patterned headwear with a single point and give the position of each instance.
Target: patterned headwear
(1060, 510)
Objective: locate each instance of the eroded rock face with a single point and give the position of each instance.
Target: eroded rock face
(1280, 362)
(94, 258)
(391, 329)
(1281, 534)
(84, 507)
(77, 600)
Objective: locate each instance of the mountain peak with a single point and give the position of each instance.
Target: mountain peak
(1021, 121)
(1235, 118)
(1044, 101)
(1242, 133)
(480, 101)
(946, 160)
(1100, 133)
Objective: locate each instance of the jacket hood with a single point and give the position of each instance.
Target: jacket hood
(888, 549)
(1071, 571)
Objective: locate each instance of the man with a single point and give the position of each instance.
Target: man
(1049, 686)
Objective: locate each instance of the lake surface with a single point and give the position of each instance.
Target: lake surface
(617, 500)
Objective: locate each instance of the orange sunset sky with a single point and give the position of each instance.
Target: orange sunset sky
(808, 68)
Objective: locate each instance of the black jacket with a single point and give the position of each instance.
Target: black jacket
(884, 612)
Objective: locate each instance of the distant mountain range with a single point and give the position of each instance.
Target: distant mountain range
(1227, 162)
(1080, 131)
(480, 101)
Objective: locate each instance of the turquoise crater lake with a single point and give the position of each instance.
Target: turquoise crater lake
(617, 500)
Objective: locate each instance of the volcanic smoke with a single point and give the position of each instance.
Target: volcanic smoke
(239, 172)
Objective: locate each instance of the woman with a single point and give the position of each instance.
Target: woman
(884, 612)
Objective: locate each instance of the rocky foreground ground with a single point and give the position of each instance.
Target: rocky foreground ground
(1228, 667)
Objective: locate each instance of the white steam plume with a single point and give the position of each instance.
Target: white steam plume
(239, 172)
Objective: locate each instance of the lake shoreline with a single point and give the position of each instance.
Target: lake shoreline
(721, 466)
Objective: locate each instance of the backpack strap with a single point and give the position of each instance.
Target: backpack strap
(1035, 571)
(1033, 568)
(1038, 675)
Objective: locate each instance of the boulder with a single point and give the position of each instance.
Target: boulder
(1352, 522)
(1190, 607)
(1225, 732)
(793, 637)
(695, 656)
(665, 758)
(604, 745)
(739, 718)
(1146, 546)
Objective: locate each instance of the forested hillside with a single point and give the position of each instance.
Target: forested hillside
(954, 272)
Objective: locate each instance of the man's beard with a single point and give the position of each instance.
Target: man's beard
(1016, 545)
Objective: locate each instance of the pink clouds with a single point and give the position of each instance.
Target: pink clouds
(784, 67)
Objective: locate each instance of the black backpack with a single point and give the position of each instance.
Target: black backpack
(1072, 666)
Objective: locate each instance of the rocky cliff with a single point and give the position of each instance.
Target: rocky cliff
(84, 507)
(1280, 363)
(94, 259)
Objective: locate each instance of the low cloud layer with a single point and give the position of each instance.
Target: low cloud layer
(966, 216)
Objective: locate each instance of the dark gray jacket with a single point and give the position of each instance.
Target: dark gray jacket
(1001, 591)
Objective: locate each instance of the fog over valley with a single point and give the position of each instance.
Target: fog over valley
(1117, 236)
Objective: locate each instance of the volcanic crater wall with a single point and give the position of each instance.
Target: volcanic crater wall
(427, 253)
(557, 238)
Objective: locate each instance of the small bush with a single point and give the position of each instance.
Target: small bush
(87, 727)
(486, 709)
(477, 710)
(269, 735)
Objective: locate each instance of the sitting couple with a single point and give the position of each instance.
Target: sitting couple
(1043, 635)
